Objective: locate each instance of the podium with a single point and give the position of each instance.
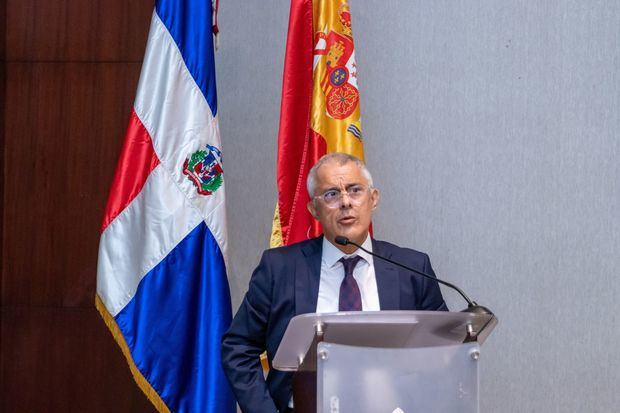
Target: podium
(385, 361)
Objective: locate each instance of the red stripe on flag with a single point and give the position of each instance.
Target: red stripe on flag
(302, 225)
(137, 160)
(294, 134)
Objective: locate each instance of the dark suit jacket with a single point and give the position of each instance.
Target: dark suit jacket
(286, 284)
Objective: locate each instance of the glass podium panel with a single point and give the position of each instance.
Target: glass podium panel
(353, 379)
(387, 329)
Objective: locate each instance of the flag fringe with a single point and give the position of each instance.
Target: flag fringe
(140, 380)
(276, 229)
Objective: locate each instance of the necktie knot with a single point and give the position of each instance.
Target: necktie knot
(349, 264)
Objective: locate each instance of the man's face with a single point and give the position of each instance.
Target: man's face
(346, 218)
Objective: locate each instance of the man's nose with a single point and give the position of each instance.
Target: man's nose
(345, 200)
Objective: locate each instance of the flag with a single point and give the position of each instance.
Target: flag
(162, 287)
(320, 111)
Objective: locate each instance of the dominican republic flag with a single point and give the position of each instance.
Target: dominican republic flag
(162, 287)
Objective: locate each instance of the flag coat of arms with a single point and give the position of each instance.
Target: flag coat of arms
(320, 110)
(162, 286)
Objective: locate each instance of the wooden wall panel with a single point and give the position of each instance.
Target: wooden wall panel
(2, 133)
(64, 360)
(63, 140)
(87, 30)
(3, 32)
(71, 74)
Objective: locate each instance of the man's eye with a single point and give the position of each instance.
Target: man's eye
(330, 195)
(355, 189)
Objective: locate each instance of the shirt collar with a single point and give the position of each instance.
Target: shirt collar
(331, 254)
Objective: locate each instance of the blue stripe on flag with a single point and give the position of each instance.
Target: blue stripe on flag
(189, 23)
(174, 324)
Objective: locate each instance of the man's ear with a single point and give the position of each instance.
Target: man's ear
(374, 198)
(312, 210)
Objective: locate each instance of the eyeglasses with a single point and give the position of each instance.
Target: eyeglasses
(333, 197)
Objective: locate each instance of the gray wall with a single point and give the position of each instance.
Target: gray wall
(492, 130)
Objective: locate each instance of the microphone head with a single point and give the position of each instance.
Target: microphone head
(340, 240)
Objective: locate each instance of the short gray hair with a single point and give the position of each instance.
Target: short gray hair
(341, 158)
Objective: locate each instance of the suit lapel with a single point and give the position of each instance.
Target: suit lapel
(307, 277)
(388, 283)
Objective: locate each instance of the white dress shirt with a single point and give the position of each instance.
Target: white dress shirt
(332, 274)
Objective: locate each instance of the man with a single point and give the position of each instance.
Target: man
(319, 275)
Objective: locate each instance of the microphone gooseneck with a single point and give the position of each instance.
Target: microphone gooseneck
(472, 306)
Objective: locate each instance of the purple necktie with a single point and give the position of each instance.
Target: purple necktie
(350, 298)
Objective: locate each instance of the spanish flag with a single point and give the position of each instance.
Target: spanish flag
(320, 110)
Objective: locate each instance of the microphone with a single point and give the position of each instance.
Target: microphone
(472, 306)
